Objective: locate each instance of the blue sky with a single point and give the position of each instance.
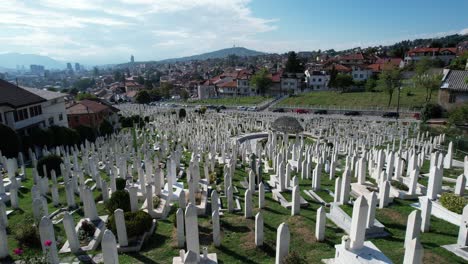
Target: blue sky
(104, 31)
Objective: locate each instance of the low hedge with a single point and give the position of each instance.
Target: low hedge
(28, 236)
(119, 200)
(453, 202)
(137, 223)
(52, 162)
(120, 184)
(399, 185)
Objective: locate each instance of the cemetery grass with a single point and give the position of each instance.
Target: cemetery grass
(238, 234)
(24, 216)
(358, 99)
(234, 101)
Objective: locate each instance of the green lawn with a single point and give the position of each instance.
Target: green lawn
(240, 101)
(358, 99)
(238, 233)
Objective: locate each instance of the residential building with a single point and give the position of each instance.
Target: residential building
(292, 83)
(53, 109)
(23, 109)
(444, 54)
(206, 90)
(317, 80)
(91, 113)
(360, 72)
(454, 89)
(386, 63)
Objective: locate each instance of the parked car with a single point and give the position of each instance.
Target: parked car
(301, 111)
(278, 110)
(252, 108)
(320, 112)
(222, 107)
(391, 114)
(241, 108)
(210, 107)
(352, 113)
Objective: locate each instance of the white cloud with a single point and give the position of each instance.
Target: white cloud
(90, 30)
(464, 31)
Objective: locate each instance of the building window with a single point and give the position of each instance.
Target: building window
(1, 117)
(21, 114)
(355, 75)
(51, 121)
(77, 119)
(313, 79)
(60, 117)
(452, 98)
(320, 79)
(361, 75)
(35, 110)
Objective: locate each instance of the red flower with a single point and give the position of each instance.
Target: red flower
(18, 251)
(48, 243)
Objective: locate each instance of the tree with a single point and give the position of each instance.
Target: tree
(182, 113)
(74, 91)
(143, 97)
(84, 84)
(423, 65)
(106, 128)
(294, 64)
(141, 80)
(262, 81)
(459, 115)
(429, 82)
(83, 96)
(343, 81)
(165, 90)
(333, 73)
(370, 84)
(184, 94)
(9, 143)
(389, 80)
(459, 63)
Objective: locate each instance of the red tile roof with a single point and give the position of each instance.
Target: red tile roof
(339, 68)
(353, 56)
(86, 107)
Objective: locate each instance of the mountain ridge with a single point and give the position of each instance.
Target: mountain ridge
(12, 59)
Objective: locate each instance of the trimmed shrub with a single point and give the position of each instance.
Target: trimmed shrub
(63, 136)
(293, 258)
(86, 133)
(399, 185)
(453, 202)
(119, 200)
(202, 110)
(131, 120)
(40, 137)
(182, 113)
(28, 235)
(52, 162)
(137, 223)
(120, 184)
(9, 143)
(431, 111)
(106, 128)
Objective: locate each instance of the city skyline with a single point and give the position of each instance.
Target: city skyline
(102, 32)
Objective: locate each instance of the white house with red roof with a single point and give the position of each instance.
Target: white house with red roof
(444, 54)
